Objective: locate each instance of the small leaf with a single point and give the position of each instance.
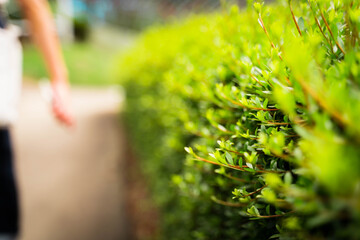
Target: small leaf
(222, 128)
(278, 212)
(275, 236)
(269, 195)
(253, 211)
(301, 24)
(229, 158)
(265, 104)
(189, 150)
(240, 161)
(268, 209)
(288, 178)
(340, 41)
(250, 170)
(249, 165)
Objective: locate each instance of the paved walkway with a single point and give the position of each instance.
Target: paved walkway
(70, 180)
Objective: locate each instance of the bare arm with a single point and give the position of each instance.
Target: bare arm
(44, 33)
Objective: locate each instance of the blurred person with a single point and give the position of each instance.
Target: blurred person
(43, 31)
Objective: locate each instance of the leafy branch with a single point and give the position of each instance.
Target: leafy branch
(329, 29)
(294, 19)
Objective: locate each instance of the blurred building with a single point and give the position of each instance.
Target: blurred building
(141, 13)
(133, 14)
(65, 19)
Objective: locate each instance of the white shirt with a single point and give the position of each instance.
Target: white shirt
(10, 74)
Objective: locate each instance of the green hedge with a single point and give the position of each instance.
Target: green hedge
(266, 101)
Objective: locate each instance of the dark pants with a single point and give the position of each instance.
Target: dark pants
(8, 194)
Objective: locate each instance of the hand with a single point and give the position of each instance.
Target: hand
(60, 102)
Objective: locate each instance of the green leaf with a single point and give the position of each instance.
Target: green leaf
(288, 178)
(265, 104)
(189, 150)
(269, 195)
(340, 41)
(301, 24)
(258, 6)
(275, 236)
(251, 170)
(229, 158)
(240, 161)
(268, 209)
(253, 211)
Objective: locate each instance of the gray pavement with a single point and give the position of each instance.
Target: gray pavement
(70, 181)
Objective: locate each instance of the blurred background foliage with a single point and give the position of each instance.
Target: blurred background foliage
(100, 30)
(90, 61)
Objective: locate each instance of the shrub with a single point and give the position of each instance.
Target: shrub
(82, 28)
(266, 102)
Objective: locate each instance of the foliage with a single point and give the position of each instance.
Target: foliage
(266, 103)
(82, 28)
(82, 60)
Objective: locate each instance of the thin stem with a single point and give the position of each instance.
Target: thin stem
(282, 156)
(293, 16)
(289, 136)
(235, 178)
(229, 204)
(288, 81)
(322, 103)
(249, 107)
(200, 134)
(224, 130)
(219, 164)
(275, 216)
(242, 168)
(258, 190)
(277, 123)
(331, 33)
(233, 151)
(265, 30)
(320, 28)
(267, 34)
(326, 38)
(253, 77)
